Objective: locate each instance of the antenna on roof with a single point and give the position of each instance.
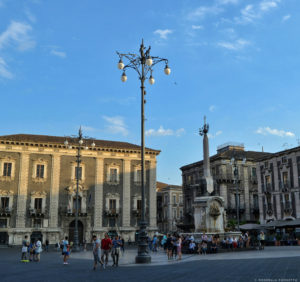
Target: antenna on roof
(262, 148)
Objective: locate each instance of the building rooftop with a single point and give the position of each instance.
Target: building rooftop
(228, 152)
(161, 185)
(57, 141)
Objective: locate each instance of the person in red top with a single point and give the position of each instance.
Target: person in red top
(106, 245)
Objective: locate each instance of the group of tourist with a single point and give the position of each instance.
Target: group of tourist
(31, 250)
(172, 245)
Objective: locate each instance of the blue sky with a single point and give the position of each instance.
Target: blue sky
(235, 61)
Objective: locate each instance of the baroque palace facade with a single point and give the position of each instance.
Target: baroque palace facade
(279, 186)
(38, 188)
(224, 182)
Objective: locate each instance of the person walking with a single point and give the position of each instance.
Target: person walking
(106, 245)
(262, 240)
(169, 246)
(47, 245)
(65, 250)
(97, 252)
(38, 250)
(179, 243)
(116, 245)
(25, 245)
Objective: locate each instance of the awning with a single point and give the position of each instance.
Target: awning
(251, 226)
(283, 223)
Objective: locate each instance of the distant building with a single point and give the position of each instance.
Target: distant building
(278, 186)
(169, 206)
(38, 188)
(224, 183)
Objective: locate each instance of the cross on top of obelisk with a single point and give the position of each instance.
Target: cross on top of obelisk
(204, 130)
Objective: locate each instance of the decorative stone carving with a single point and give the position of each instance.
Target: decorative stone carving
(6, 193)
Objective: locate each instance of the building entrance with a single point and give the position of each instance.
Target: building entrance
(80, 231)
(3, 238)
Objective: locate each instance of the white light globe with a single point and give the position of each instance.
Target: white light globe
(80, 141)
(120, 65)
(149, 61)
(167, 70)
(124, 77)
(151, 80)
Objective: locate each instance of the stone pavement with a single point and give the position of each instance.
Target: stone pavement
(272, 264)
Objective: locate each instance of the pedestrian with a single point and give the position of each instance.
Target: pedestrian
(169, 246)
(174, 248)
(116, 245)
(106, 245)
(97, 252)
(38, 250)
(25, 245)
(179, 243)
(65, 250)
(262, 240)
(31, 250)
(154, 244)
(47, 245)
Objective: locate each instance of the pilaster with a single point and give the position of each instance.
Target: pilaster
(98, 205)
(126, 194)
(54, 192)
(152, 194)
(246, 193)
(22, 190)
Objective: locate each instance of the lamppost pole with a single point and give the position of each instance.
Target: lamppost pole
(78, 160)
(78, 175)
(142, 64)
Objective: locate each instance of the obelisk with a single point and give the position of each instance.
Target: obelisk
(206, 175)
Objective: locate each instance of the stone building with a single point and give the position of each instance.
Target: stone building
(38, 188)
(278, 186)
(169, 207)
(224, 183)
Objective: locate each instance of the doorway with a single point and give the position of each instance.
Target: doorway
(72, 229)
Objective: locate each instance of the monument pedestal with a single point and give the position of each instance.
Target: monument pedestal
(209, 214)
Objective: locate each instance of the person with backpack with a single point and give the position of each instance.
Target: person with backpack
(65, 250)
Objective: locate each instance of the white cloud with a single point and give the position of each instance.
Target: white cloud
(30, 16)
(267, 5)
(212, 108)
(4, 72)
(236, 45)
(269, 131)
(164, 132)
(58, 53)
(214, 135)
(225, 2)
(163, 33)
(286, 17)
(203, 11)
(195, 27)
(17, 35)
(116, 125)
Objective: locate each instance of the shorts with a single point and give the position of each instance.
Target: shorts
(96, 257)
(65, 253)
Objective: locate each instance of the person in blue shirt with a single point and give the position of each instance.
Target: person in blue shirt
(116, 245)
(65, 250)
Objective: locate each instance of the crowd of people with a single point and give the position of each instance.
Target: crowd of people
(31, 250)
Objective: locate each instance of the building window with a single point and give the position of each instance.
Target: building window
(38, 204)
(285, 177)
(3, 222)
(4, 202)
(284, 160)
(254, 172)
(266, 164)
(180, 199)
(174, 213)
(78, 173)
(139, 204)
(7, 169)
(181, 213)
(112, 204)
(255, 201)
(139, 175)
(113, 175)
(174, 199)
(112, 222)
(40, 171)
(166, 199)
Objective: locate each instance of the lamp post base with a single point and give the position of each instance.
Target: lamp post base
(143, 256)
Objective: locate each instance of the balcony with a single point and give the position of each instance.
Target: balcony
(5, 212)
(112, 212)
(253, 179)
(226, 178)
(266, 188)
(232, 210)
(255, 210)
(36, 212)
(284, 186)
(137, 212)
(71, 212)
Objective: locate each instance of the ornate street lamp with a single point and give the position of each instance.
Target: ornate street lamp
(233, 162)
(78, 177)
(143, 64)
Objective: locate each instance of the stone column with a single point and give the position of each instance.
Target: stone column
(54, 192)
(278, 206)
(223, 194)
(246, 193)
(261, 209)
(295, 170)
(297, 203)
(98, 207)
(152, 194)
(22, 190)
(126, 194)
(275, 169)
